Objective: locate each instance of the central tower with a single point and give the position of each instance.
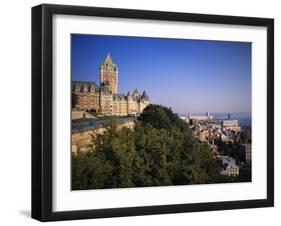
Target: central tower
(109, 75)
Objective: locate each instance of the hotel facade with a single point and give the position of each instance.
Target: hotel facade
(104, 98)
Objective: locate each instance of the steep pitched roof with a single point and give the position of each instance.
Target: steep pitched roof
(119, 96)
(82, 85)
(108, 60)
(74, 82)
(103, 89)
(136, 92)
(144, 96)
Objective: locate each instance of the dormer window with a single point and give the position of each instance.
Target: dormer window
(85, 89)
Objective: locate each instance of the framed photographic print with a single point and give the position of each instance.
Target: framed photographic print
(146, 112)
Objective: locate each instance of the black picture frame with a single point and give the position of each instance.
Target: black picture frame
(42, 111)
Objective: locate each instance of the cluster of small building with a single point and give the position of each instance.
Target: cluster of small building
(210, 131)
(207, 130)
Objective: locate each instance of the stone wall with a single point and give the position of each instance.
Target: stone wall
(81, 114)
(83, 141)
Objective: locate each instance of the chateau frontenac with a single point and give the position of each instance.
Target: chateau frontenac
(105, 98)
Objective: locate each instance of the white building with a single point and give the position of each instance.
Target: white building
(230, 167)
(229, 123)
(201, 117)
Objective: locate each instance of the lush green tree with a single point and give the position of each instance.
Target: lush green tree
(153, 154)
(161, 117)
(235, 150)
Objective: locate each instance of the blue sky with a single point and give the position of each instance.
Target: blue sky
(187, 75)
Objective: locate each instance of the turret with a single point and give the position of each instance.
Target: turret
(144, 96)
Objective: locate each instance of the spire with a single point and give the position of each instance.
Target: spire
(108, 60)
(144, 96)
(136, 92)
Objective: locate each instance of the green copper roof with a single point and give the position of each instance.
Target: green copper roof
(108, 60)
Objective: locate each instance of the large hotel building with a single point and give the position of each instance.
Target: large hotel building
(105, 98)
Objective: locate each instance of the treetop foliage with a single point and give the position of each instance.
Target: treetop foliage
(161, 117)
